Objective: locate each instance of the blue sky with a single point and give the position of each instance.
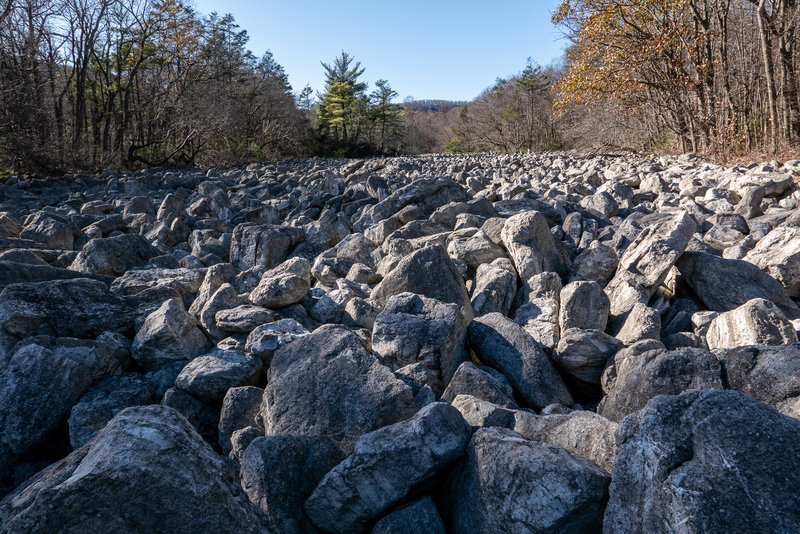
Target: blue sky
(426, 49)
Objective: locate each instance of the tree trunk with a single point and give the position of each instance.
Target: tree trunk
(769, 73)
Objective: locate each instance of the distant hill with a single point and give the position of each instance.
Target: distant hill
(432, 106)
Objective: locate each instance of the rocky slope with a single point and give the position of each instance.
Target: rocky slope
(531, 343)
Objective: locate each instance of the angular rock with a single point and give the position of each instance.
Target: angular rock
(508, 484)
(187, 282)
(725, 284)
(280, 472)
(583, 354)
(284, 285)
(778, 255)
(495, 287)
(44, 377)
(581, 432)
(641, 323)
(385, 466)
(168, 334)
(266, 339)
(239, 410)
(51, 230)
(531, 246)
(412, 328)
(481, 382)
(326, 383)
(647, 261)
(705, 461)
(114, 256)
(641, 376)
(428, 272)
(419, 516)
(598, 263)
(756, 322)
(479, 413)
(81, 308)
(262, 245)
(101, 403)
(473, 248)
(244, 319)
(125, 480)
(583, 305)
(769, 374)
(209, 377)
(502, 344)
(336, 262)
(537, 308)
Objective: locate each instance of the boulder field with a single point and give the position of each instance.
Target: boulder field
(533, 343)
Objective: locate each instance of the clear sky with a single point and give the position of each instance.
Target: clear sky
(430, 49)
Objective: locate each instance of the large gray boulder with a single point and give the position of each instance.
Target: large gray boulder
(481, 382)
(14, 272)
(337, 261)
(640, 375)
(581, 432)
(262, 245)
(504, 345)
(509, 484)
(769, 374)
(146, 471)
(385, 466)
(51, 230)
(419, 516)
(705, 461)
(79, 308)
(44, 377)
(583, 305)
(494, 288)
(326, 383)
(280, 472)
(283, 285)
(186, 282)
(168, 334)
(537, 308)
(412, 328)
(208, 378)
(240, 408)
(114, 256)
(647, 261)
(101, 403)
(724, 284)
(778, 255)
(531, 246)
(583, 354)
(429, 272)
(756, 322)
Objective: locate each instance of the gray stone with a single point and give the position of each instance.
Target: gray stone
(284, 285)
(79, 308)
(495, 287)
(778, 255)
(531, 246)
(508, 484)
(482, 382)
(114, 256)
(583, 305)
(239, 410)
(641, 376)
(168, 334)
(384, 467)
(769, 374)
(101, 403)
(244, 319)
(756, 322)
(598, 263)
(725, 284)
(209, 377)
(266, 339)
(537, 308)
(280, 472)
(124, 480)
(326, 383)
(336, 262)
(44, 377)
(51, 230)
(705, 461)
(262, 245)
(412, 328)
(583, 354)
(428, 272)
(473, 248)
(581, 432)
(419, 516)
(502, 344)
(642, 322)
(480, 413)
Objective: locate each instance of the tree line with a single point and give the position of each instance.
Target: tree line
(719, 76)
